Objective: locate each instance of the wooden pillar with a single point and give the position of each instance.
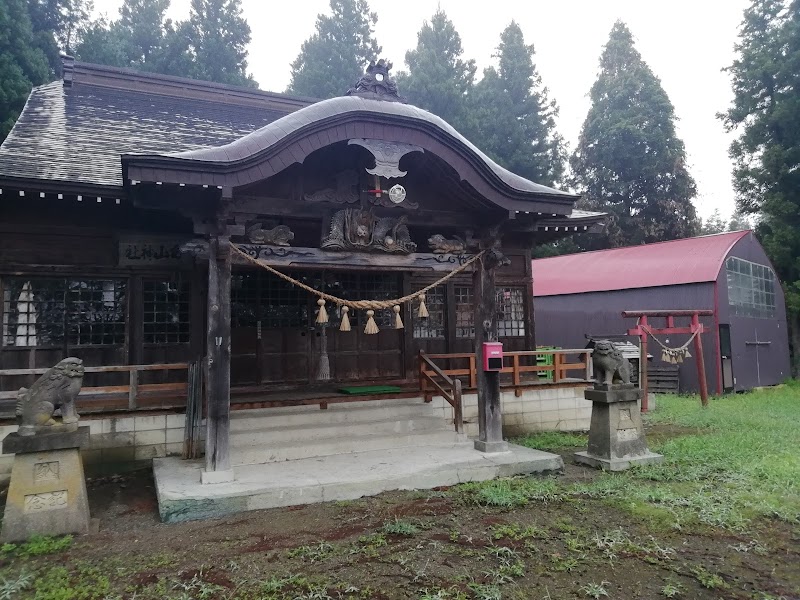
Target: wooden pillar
(218, 344)
(490, 417)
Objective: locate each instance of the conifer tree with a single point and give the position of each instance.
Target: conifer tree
(511, 116)
(137, 39)
(766, 114)
(23, 63)
(713, 224)
(210, 45)
(219, 35)
(438, 78)
(629, 161)
(333, 59)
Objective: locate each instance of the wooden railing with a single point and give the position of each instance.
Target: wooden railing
(133, 396)
(450, 391)
(559, 371)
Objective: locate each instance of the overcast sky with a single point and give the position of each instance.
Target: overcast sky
(685, 42)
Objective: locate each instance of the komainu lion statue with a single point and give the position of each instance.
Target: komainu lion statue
(57, 388)
(609, 364)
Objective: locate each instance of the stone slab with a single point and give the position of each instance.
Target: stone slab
(213, 477)
(617, 464)
(182, 497)
(46, 496)
(612, 394)
(14, 443)
(483, 446)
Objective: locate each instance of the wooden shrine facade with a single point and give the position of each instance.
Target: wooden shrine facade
(362, 197)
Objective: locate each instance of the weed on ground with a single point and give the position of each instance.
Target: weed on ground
(718, 519)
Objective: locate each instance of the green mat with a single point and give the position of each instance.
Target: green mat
(368, 389)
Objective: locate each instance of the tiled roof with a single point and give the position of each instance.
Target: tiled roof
(77, 133)
(690, 260)
(292, 125)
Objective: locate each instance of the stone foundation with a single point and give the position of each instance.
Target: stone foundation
(124, 442)
(546, 408)
(119, 443)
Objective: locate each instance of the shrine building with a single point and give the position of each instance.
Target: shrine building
(215, 249)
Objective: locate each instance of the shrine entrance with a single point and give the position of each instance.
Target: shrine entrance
(275, 340)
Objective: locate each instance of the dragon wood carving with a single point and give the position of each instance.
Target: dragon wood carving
(354, 229)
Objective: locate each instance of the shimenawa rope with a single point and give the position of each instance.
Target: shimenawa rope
(360, 304)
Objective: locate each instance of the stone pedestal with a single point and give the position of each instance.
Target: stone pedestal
(47, 492)
(616, 434)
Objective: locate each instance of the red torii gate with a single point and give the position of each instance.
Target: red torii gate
(696, 328)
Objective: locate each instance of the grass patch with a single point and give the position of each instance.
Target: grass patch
(742, 465)
(553, 440)
(400, 527)
(38, 545)
(511, 492)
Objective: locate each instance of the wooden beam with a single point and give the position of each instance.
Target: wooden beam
(218, 344)
(490, 417)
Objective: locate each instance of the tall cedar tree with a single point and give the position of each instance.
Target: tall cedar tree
(713, 224)
(63, 20)
(135, 40)
(438, 79)
(766, 112)
(57, 26)
(219, 36)
(23, 63)
(333, 59)
(629, 162)
(512, 117)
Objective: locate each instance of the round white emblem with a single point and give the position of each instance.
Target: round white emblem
(397, 193)
(379, 76)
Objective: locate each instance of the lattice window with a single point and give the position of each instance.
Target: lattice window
(465, 312)
(244, 299)
(281, 303)
(262, 296)
(434, 325)
(751, 288)
(52, 312)
(364, 286)
(510, 312)
(166, 311)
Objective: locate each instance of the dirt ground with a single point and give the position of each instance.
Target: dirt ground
(426, 544)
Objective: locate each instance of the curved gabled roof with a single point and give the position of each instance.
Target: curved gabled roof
(291, 138)
(690, 260)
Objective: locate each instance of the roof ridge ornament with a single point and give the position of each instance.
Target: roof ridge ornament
(377, 84)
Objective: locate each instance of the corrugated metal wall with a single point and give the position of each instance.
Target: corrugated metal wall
(565, 321)
(755, 364)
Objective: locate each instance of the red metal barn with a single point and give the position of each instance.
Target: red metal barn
(580, 295)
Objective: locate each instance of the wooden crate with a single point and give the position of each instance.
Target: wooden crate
(662, 379)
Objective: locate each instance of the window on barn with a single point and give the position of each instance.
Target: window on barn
(433, 326)
(751, 288)
(54, 312)
(166, 311)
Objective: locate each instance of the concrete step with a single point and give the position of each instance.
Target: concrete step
(346, 412)
(272, 435)
(303, 448)
(182, 497)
